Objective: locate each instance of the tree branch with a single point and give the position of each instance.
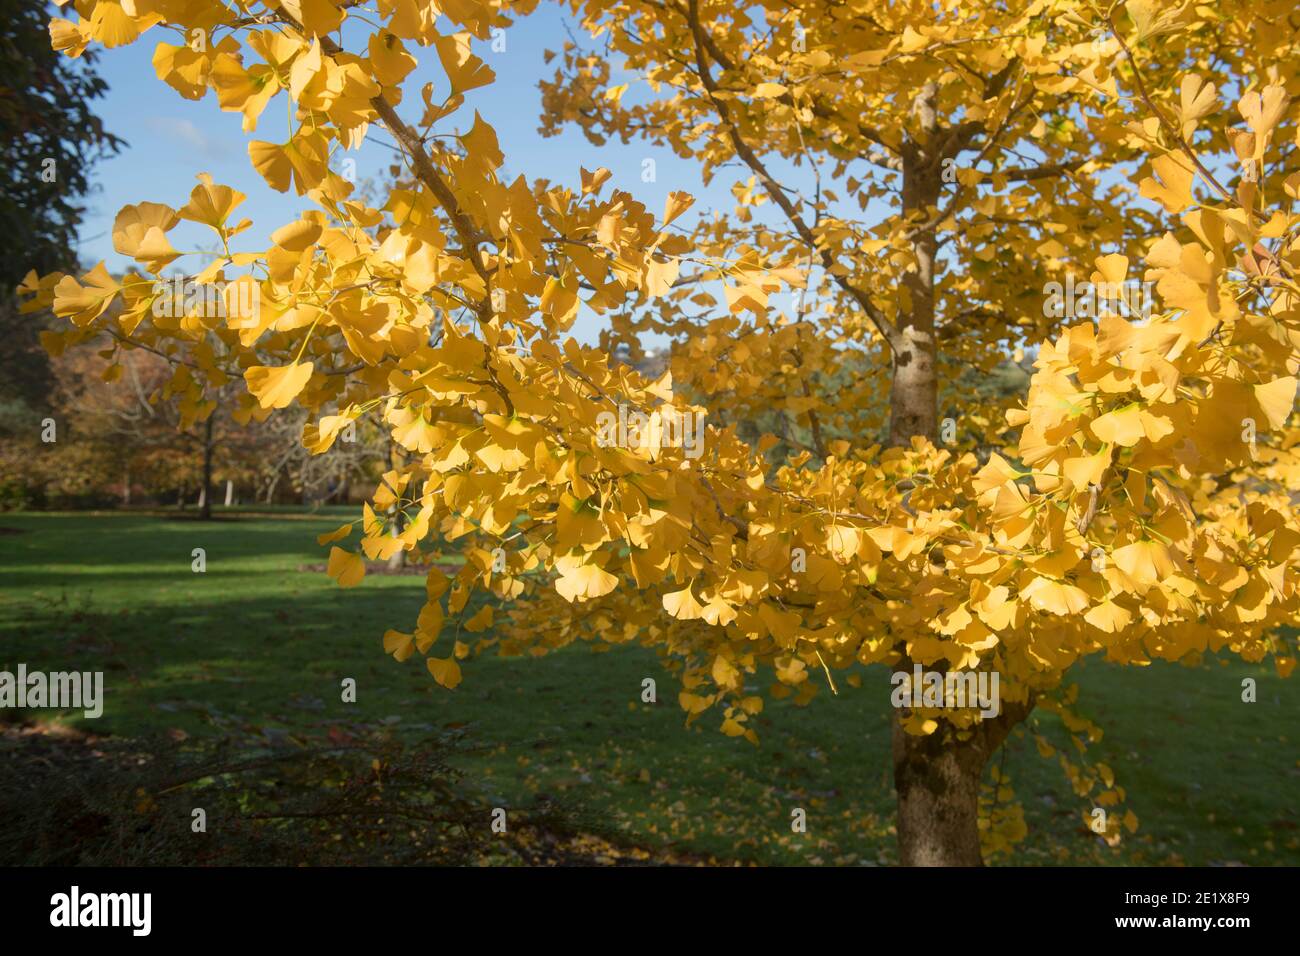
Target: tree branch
(774, 190)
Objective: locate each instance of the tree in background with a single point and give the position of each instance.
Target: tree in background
(283, 465)
(966, 164)
(26, 379)
(117, 431)
(50, 140)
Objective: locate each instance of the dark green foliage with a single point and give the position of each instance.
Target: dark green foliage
(45, 114)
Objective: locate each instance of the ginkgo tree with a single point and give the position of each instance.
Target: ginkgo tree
(946, 165)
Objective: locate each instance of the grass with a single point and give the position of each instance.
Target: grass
(258, 642)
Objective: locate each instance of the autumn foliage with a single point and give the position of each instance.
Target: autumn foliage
(945, 163)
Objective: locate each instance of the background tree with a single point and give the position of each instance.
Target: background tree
(282, 464)
(1110, 520)
(50, 139)
(49, 142)
(26, 379)
(117, 433)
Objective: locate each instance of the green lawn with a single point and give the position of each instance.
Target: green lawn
(259, 640)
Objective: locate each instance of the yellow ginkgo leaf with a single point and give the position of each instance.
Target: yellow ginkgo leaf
(676, 204)
(912, 41)
(792, 671)
(140, 231)
(480, 621)
(296, 236)
(445, 672)
(1276, 400)
(498, 459)
(825, 574)
(660, 276)
(1262, 112)
(1152, 17)
(1146, 562)
(388, 59)
(481, 144)
(338, 534)
(270, 160)
(1055, 597)
(683, 605)
(465, 70)
(113, 26)
(82, 304)
(782, 625)
(412, 430)
(580, 581)
(308, 157)
(1109, 617)
(1196, 99)
(1122, 427)
(843, 542)
(718, 612)
(725, 674)
(1173, 187)
(429, 625)
(400, 645)
(319, 437)
(277, 386)
(592, 181)
(1087, 469)
(1112, 268)
(318, 16)
(210, 203)
(346, 568)
(69, 38)
(732, 727)
(245, 91)
(183, 69)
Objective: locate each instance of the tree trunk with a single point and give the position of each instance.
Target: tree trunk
(205, 509)
(913, 395)
(936, 777)
(397, 560)
(937, 780)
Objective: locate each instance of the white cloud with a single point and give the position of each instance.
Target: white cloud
(182, 131)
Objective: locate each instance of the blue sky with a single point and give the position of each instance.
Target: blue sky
(172, 139)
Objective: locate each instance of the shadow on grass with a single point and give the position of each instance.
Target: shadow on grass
(356, 798)
(256, 644)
